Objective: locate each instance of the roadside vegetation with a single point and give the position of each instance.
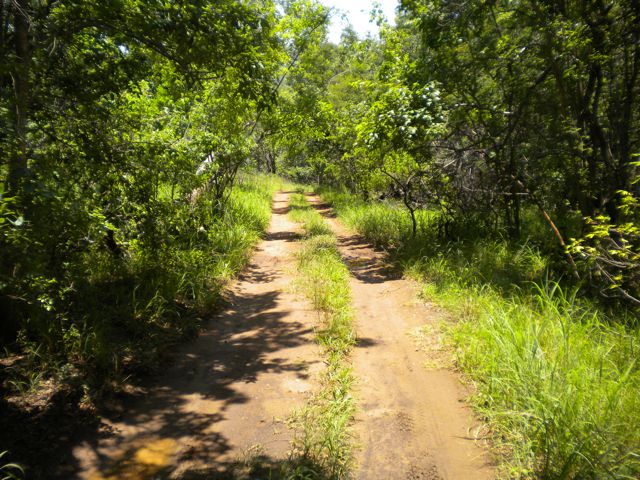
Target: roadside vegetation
(492, 149)
(121, 317)
(325, 442)
(135, 306)
(555, 377)
(131, 136)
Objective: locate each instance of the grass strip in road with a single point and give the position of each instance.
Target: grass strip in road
(302, 212)
(325, 447)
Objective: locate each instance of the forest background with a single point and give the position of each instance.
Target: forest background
(492, 147)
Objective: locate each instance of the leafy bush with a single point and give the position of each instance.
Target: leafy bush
(610, 252)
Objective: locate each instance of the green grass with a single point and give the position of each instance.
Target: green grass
(556, 383)
(107, 316)
(475, 261)
(556, 380)
(325, 446)
(301, 212)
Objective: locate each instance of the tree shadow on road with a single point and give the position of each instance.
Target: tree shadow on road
(237, 346)
(264, 468)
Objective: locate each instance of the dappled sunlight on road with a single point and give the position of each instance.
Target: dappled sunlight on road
(142, 462)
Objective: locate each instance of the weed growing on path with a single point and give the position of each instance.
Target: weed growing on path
(557, 381)
(301, 212)
(325, 281)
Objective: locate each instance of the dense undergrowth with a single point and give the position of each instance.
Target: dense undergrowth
(86, 328)
(107, 315)
(324, 445)
(556, 378)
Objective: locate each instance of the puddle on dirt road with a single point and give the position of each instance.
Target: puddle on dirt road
(141, 462)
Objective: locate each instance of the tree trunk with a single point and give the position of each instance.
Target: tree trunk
(412, 212)
(271, 163)
(18, 160)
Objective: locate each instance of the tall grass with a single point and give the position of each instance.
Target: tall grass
(301, 212)
(556, 380)
(473, 261)
(121, 312)
(559, 385)
(325, 444)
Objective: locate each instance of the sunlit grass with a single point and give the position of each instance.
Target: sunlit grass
(10, 471)
(301, 212)
(556, 380)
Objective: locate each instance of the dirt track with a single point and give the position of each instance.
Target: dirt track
(227, 396)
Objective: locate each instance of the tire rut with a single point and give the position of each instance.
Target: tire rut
(412, 422)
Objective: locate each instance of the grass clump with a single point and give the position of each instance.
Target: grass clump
(301, 212)
(325, 444)
(556, 380)
(557, 383)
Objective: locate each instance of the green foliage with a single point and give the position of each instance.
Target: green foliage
(557, 383)
(108, 315)
(476, 261)
(285, 133)
(556, 380)
(541, 103)
(484, 113)
(610, 253)
(302, 212)
(125, 125)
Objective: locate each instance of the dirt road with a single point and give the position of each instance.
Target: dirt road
(228, 395)
(411, 422)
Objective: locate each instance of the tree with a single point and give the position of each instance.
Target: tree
(105, 107)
